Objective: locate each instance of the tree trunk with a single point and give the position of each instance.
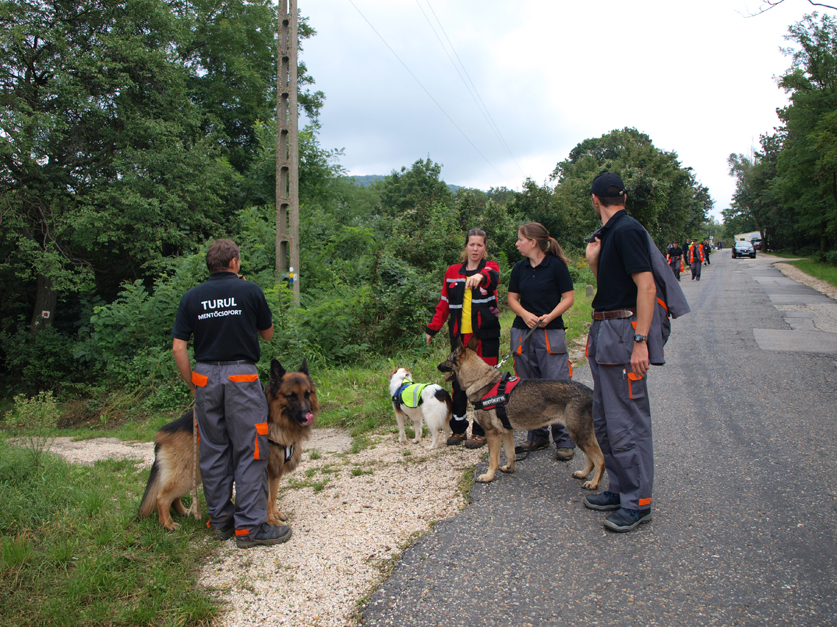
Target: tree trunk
(45, 300)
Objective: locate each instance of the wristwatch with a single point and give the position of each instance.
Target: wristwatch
(640, 338)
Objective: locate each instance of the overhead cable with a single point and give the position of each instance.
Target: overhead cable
(468, 139)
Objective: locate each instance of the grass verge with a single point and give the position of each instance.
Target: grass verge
(823, 271)
(73, 552)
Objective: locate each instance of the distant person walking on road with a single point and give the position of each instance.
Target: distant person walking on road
(695, 259)
(620, 257)
(706, 250)
(674, 256)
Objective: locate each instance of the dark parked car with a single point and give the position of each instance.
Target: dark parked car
(756, 243)
(743, 249)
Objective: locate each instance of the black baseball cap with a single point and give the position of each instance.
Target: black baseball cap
(607, 184)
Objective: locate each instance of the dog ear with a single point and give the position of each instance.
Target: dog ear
(276, 370)
(303, 368)
(473, 343)
(459, 344)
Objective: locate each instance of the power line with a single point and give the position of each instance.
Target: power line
(475, 94)
(425, 90)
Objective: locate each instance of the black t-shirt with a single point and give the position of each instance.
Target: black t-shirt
(540, 288)
(675, 251)
(624, 251)
(223, 313)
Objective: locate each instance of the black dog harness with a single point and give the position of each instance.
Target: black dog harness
(289, 450)
(498, 396)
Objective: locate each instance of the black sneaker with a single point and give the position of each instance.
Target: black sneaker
(627, 519)
(532, 445)
(603, 502)
(263, 536)
(223, 533)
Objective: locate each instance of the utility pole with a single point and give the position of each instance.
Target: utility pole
(287, 148)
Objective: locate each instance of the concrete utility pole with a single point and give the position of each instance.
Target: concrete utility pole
(287, 148)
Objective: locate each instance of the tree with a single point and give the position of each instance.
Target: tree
(806, 165)
(662, 195)
(412, 193)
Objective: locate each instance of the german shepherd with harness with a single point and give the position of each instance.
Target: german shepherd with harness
(534, 403)
(292, 406)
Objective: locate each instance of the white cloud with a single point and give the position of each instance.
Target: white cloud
(697, 77)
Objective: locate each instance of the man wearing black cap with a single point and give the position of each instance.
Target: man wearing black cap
(620, 258)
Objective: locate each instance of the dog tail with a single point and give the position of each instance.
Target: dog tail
(148, 505)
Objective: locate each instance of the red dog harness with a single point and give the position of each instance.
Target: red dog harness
(498, 396)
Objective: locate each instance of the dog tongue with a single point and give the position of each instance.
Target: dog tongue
(309, 417)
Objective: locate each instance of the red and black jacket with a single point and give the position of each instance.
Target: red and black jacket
(484, 313)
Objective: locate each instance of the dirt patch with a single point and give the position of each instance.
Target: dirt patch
(91, 451)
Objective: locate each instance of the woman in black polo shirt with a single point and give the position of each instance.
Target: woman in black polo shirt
(540, 291)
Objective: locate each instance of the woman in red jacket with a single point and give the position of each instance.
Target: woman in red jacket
(469, 304)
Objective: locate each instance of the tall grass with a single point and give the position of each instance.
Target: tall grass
(74, 554)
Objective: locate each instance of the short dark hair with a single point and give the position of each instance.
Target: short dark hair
(220, 255)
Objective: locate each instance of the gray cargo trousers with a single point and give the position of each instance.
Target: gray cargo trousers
(543, 356)
(621, 412)
(232, 417)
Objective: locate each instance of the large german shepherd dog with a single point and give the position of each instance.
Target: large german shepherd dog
(534, 403)
(292, 405)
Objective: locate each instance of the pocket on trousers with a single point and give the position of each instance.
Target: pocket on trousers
(516, 344)
(556, 341)
(615, 342)
(199, 379)
(636, 386)
(262, 447)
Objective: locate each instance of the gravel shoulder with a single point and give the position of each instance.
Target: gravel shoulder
(351, 515)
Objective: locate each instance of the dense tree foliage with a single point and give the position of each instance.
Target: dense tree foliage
(788, 188)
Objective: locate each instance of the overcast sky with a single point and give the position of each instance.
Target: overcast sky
(698, 77)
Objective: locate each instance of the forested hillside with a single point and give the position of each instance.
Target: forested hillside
(135, 132)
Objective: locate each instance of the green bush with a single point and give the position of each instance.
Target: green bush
(831, 257)
(40, 361)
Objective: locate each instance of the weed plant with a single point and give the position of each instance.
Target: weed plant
(35, 420)
(74, 554)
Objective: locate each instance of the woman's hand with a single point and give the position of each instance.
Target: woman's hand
(473, 281)
(428, 338)
(531, 319)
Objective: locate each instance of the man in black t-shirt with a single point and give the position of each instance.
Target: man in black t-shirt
(620, 258)
(227, 316)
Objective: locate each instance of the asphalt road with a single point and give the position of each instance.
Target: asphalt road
(745, 505)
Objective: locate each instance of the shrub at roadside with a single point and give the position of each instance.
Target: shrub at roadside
(34, 420)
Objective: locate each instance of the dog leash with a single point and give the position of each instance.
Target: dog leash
(525, 337)
(194, 508)
(424, 346)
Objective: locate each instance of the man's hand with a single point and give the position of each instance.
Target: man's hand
(639, 359)
(428, 338)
